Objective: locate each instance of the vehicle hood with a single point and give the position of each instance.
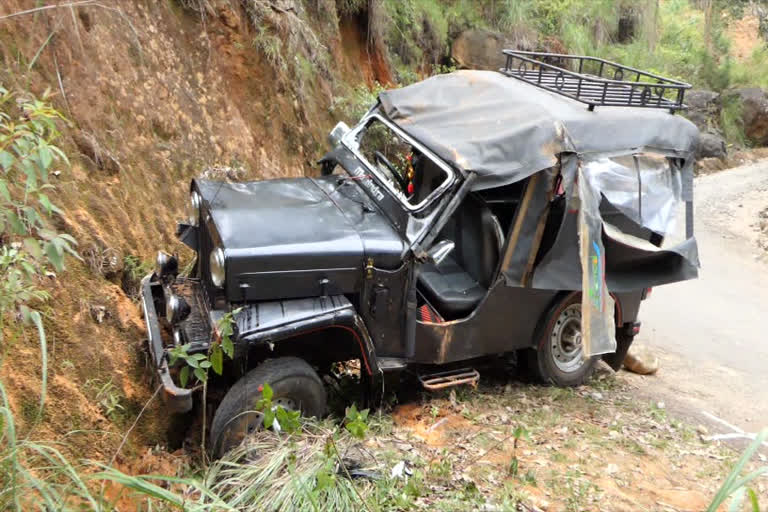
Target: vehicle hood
(295, 237)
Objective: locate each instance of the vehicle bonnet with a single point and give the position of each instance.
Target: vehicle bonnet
(292, 237)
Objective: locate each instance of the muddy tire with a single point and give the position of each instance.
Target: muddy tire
(295, 384)
(557, 358)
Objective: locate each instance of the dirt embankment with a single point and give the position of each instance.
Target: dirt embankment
(155, 93)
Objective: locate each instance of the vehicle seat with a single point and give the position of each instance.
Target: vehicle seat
(458, 283)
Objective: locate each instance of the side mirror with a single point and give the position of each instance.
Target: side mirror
(440, 250)
(338, 132)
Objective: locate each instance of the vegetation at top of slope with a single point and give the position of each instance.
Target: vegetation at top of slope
(684, 39)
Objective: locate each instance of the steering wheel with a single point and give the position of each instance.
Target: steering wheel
(380, 158)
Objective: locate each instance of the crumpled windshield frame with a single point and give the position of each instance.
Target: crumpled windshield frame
(351, 142)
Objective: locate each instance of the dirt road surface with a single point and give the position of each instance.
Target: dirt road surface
(711, 334)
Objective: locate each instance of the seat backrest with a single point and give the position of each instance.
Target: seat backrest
(477, 246)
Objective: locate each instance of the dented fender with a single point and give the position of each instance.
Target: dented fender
(273, 322)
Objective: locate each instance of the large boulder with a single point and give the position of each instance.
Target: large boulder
(703, 108)
(479, 49)
(711, 145)
(754, 112)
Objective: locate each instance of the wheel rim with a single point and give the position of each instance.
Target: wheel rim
(566, 340)
(285, 402)
(250, 421)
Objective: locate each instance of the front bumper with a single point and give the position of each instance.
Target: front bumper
(178, 400)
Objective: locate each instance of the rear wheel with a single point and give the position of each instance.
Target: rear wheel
(295, 385)
(559, 357)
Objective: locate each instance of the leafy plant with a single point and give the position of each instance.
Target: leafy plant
(356, 421)
(275, 416)
(27, 156)
(107, 396)
(199, 363)
(519, 433)
(30, 246)
(356, 103)
(732, 121)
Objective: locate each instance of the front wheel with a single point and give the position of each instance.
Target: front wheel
(295, 386)
(558, 358)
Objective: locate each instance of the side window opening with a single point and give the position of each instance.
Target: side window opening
(454, 287)
(504, 202)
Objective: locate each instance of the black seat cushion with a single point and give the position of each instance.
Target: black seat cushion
(450, 289)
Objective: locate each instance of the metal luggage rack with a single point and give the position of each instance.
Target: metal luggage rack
(595, 81)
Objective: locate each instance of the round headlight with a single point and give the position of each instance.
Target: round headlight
(217, 266)
(171, 306)
(194, 208)
(166, 264)
(176, 309)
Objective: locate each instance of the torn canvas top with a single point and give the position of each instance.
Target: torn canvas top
(505, 130)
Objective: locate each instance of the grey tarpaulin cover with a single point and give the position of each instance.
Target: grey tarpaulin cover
(505, 130)
(617, 164)
(608, 226)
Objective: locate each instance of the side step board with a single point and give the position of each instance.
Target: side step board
(441, 380)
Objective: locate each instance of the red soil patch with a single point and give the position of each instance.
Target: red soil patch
(436, 431)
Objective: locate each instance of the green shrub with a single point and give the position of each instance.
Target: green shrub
(731, 120)
(352, 106)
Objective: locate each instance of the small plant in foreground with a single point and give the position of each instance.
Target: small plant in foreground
(276, 416)
(356, 421)
(519, 433)
(199, 364)
(107, 396)
(737, 488)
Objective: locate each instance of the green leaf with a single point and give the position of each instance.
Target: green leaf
(269, 417)
(289, 420)
(753, 500)
(16, 225)
(55, 256)
(49, 207)
(217, 359)
(201, 375)
(324, 480)
(266, 392)
(33, 247)
(6, 160)
(184, 376)
(46, 157)
(228, 347)
(4, 191)
(355, 421)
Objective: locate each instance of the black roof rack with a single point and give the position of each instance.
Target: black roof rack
(595, 81)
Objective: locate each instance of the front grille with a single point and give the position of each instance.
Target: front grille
(196, 328)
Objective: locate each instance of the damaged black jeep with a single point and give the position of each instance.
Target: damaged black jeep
(471, 216)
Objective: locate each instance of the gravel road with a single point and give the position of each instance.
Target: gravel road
(710, 334)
